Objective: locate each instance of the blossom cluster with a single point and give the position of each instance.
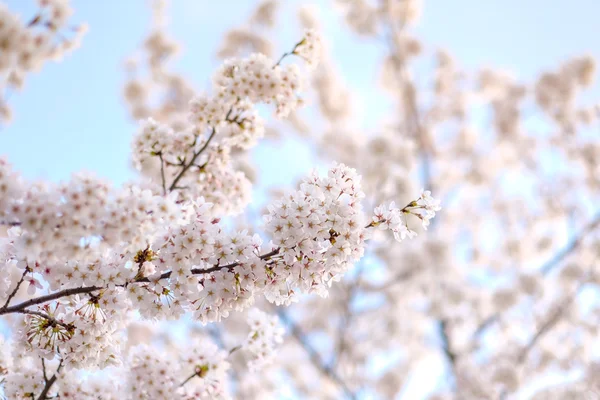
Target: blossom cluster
(310, 47)
(194, 157)
(26, 46)
(23, 382)
(318, 232)
(265, 335)
(84, 333)
(52, 220)
(200, 370)
(158, 248)
(391, 217)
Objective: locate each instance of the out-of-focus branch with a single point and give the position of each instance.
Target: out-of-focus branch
(572, 246)
(346, 318)
(398, 278)
(313, 355)
(547, 267)
(449, 353)
(409, 101)
(549, 324)
(217, 335)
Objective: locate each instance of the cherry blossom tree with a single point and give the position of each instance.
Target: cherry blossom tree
(93, 258)
(169, 286)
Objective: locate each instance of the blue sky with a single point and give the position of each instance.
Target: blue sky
(70, 116)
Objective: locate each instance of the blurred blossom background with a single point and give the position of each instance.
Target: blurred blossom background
(492, 105)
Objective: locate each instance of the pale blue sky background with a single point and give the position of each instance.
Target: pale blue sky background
(70, 116)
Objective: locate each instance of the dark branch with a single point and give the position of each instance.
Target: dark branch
(47, 298)
(188, 379)
(84, 290)
(449, 353)
(187, 166)
(44, 394)
(44, 369)
(549, 324)
(16, 289)
(289, 53)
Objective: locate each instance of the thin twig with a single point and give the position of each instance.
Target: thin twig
(289, 53)
(188, 379)
(187, 166)
(162, 173)
(200, 271)
(44, 369)
(16, 289)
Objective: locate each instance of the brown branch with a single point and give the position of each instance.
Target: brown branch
(16, 289)
(199, 271)
(188, 379)
(187, 166)
(84, 290)
(44, 369)
(289, 53)
(265, 256)
(47, 298)
(18, 308)
(44, 394)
